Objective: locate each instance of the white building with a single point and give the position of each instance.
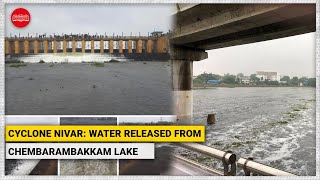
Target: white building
(245, 80)
(271, 76)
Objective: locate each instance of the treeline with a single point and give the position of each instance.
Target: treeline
(206, 78)
(296, 81)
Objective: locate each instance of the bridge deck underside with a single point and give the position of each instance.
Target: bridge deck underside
(216, 26)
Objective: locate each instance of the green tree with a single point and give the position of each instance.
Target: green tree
(267, 82)
(295, 81)
(285, 78)
(303, 80)
(239, 77)
(254, 78)
(201, 78)
(312, 82)
(197, 81)
(229, 79)
(216, 77)
(205, 77)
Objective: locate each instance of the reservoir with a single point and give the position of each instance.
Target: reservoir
(140, 88)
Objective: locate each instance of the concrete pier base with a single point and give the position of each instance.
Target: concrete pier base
(64, 46)
(74, 46)
(16, 47)
(129, 46)
(182, 72)
(45, 46)
(110, 46)
(35, 47)
(182, 76)
(83, 46)
(26, 47)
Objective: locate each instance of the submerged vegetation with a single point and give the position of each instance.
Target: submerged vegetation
(14, 61)
(17, 65)
(283, 122)
(98, 64)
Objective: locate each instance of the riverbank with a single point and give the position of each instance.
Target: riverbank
(211, 86)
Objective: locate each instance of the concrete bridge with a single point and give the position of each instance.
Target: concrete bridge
(135, 47)
(201, 27)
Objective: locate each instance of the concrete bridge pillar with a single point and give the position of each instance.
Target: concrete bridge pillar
(16, 47)
(26, 47)
(64, 46)
(55, 46)
(129, 46)
(120, 45)
(7, 47)
(182, 75)
(139, 46)
(149, 46)
(101, 46)
(162, 45)
(92, 46)
(83, 46)
(45, 46)
(74, 46)
(35, 46)
(110, 46)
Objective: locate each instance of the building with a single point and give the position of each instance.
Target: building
(156, 33)
(213, 81)
(271, 76)
(245, 80)
(283, 82)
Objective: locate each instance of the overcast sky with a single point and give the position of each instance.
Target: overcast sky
(293, 56)
(93, 19)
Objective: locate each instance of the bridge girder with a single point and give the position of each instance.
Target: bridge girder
(213, 26)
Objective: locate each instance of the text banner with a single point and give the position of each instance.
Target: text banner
(79, 150)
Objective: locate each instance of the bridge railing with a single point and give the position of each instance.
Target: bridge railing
(228, 158)
(253, 168)
(230, 163)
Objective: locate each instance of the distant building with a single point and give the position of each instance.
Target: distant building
(245, 80)
(213, 81)
(271, 76)
(156, 33)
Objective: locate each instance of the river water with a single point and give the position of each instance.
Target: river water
(140, 88)
(275, 126)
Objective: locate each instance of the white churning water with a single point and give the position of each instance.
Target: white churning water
(70, 58)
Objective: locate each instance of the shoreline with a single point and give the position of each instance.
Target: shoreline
(258, 86)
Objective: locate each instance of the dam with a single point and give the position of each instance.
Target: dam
(154, 46)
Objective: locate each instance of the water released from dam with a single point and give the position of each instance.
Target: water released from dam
(274, 125)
